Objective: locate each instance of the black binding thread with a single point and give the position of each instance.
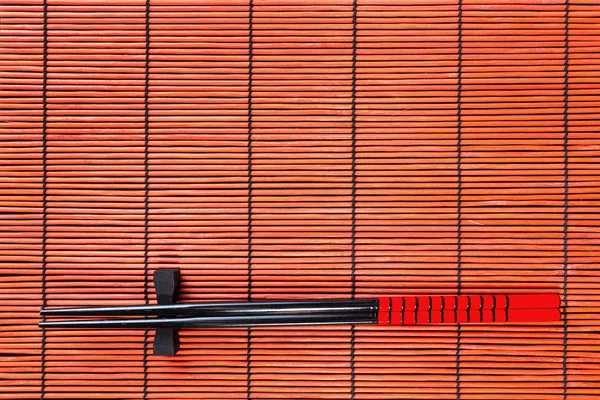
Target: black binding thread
(566, 199)
(249, 272)
(506, 307)
(353, 208)
(493, 308)
(44, 197)
(390, 310)
(353, 155)
(146, 189)
(458, 192)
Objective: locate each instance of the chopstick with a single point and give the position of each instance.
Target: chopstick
(484, 302)
(396, 318)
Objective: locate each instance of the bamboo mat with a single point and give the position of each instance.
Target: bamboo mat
(300, 149)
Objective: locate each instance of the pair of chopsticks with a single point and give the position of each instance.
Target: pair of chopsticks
(402, 310)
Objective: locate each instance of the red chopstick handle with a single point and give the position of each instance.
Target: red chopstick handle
(468, 309)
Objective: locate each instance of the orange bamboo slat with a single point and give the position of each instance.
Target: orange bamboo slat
(299, 149)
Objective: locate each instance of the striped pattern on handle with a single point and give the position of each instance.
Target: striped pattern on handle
(513, 308)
